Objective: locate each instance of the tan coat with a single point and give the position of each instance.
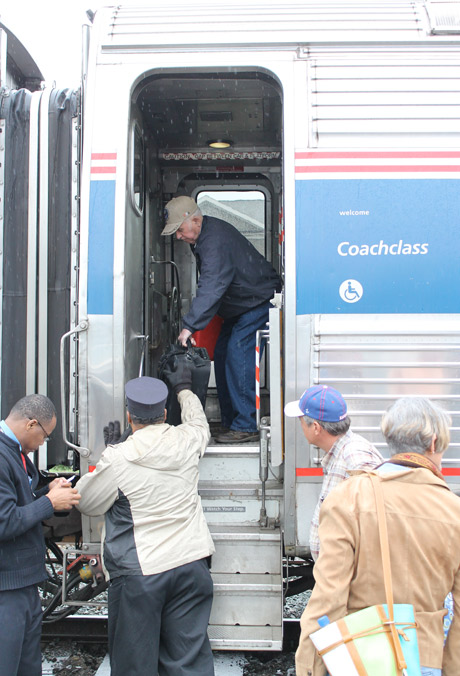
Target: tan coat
(424, 532)
(147, 487)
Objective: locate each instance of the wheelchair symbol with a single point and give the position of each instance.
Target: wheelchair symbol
(351, 291)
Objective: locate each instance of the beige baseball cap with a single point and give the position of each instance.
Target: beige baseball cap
(176, 212)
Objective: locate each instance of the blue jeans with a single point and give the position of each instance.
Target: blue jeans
(235, 368)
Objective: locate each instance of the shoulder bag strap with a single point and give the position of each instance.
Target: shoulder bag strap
(385, 550)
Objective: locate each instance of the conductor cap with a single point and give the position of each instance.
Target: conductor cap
(146, 397)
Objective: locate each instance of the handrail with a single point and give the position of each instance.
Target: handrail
(264, 430)
(82, 326)
(144, 339)
(261, 334)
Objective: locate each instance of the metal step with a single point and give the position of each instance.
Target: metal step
(230, 486)
(252, 601)
(239, 506)
(246, 550)
(223, 637)
(247, 612)
(232, 463)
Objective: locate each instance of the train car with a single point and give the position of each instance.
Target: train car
(329, 134)
(17, 67)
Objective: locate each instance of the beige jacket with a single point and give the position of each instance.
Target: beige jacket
(147, 487)
(423, 518)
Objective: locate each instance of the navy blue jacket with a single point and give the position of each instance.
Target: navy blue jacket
(234, 276)
(22, 546)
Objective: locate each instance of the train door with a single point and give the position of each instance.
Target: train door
(135, 332)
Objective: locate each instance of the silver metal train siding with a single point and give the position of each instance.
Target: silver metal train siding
(343, 121)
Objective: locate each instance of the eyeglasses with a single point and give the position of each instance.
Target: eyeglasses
(47, 436)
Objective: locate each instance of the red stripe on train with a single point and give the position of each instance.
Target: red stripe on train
(103, 170)
(308, 155)
(309, 471)
(103, 156)
(384, 168)
(317, 471)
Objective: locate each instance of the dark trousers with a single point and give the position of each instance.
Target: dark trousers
(20, 632)
(235, 368)
(158, 623)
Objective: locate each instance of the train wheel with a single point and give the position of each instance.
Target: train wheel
(76, 590)
(50, 589)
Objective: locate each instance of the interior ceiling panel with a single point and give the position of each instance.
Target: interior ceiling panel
(187, 112)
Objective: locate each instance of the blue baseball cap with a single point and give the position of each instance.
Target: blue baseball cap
(320, 402)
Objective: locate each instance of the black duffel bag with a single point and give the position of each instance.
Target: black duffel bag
(198, 361)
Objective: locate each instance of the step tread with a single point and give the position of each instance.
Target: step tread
(231, 449)
(248, 446)
(245, 637)
(245, 533)
(248, 580)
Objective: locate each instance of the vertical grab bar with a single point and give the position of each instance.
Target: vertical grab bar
(84, 452)
(144, 345)
(260, 335)
(263, 428)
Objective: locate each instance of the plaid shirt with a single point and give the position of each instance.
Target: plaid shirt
(350, 451)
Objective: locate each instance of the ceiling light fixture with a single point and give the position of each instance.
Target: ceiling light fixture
(220, 143)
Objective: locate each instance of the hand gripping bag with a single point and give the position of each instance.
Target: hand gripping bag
(200, 365)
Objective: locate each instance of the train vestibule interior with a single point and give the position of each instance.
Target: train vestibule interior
(216, 136)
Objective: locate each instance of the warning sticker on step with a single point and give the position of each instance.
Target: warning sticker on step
(224, 509)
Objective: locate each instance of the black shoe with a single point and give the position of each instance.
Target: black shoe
(236, 437)
(219, 430)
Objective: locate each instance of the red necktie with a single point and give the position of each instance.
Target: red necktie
(24, 461)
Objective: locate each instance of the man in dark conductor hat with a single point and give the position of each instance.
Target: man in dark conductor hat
(157, 543)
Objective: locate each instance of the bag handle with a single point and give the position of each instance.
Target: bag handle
(385, 551)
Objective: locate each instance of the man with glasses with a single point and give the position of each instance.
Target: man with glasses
(22, 548)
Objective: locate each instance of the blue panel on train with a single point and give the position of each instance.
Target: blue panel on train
(377, 246)
(100, 247)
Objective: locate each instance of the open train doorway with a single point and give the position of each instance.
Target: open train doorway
(217, 137)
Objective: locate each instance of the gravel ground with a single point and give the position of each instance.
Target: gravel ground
(66, 658)
(295, 605)
(269, 664)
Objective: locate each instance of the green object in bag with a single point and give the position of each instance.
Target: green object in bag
(375, 650)
(375, 641)
(360, 643)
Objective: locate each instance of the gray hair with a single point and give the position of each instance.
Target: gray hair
(34, 407)
(410, 424)
(336, 429)
(197, 212)
(147, 421)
